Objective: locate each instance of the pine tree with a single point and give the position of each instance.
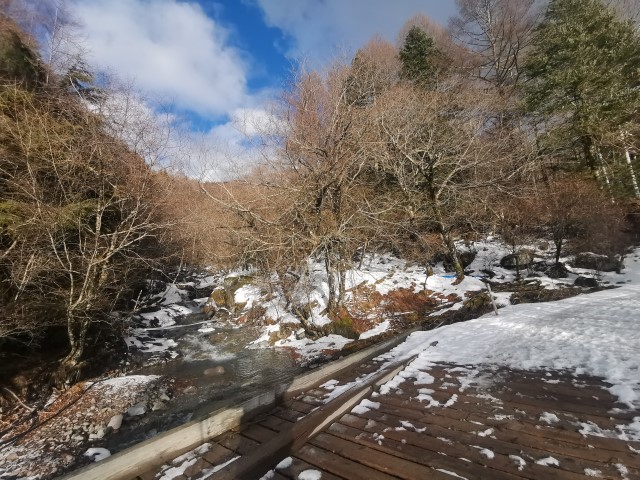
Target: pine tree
(584, 73)
(418, 58)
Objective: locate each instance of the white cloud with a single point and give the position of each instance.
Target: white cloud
(232, 149)
(170, 49)
(320, 29)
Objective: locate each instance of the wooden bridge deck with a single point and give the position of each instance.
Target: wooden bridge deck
(473, 422)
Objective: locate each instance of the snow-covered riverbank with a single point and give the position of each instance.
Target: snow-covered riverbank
(595, 334)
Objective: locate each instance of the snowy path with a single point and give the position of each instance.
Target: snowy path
(596, 334)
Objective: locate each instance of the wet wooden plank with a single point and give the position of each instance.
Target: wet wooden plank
(289, 415)
(302, 407)
(218, 454)
(466, 447)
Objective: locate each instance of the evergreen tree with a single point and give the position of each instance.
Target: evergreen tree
(584, 73)
(418, 58)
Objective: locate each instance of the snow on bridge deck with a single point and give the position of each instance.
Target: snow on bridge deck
(543, 391)
(445, 421)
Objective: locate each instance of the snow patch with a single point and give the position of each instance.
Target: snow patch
(286, 463)
(97, 454)
(519, 461)
(549, 418)
(310, 475)
(548, 461)
(449, 472)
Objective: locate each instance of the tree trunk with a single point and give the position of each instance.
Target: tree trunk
(632, 173)
(558, 244)
(342, 280)
(77, 332)
(587, 150)
(448, 243)
(331, 298)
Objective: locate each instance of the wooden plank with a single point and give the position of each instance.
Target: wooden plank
(461, 410)
(565, 406)
(568, 392)
(278, 476)
(299, 406)
(258, 433)
(510, 446)
(237, 443)
(218, 454)
(338, 465)
(461, 448)
(377, 460)
(275, 423)
(471, 402)
(168, 445)
(310, 400)
(430, 457)
(614, 445)
(286, 414)
(317, 377)
(298, 466)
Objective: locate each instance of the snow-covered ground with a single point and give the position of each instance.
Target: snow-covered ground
(596, 334)
(385, 274)
(370, 288)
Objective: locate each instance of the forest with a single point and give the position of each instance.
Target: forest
(518, 119)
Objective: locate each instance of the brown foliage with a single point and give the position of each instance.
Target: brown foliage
(406, 300)
(80, 217)
(19, 62)
(576, 211)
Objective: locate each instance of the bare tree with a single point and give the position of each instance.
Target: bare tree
(438, 148)
(80, 215)
(496, 33)
(576, 210)
(308, 198)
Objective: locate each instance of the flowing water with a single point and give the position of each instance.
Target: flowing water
(213, 369)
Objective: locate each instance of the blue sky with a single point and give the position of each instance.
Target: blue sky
(219, 61)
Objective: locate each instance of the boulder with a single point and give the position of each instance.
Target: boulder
(488, 273)
(115, 422)
(557, 270)
(158, 405)
(137, 409)
(466, 258)
(521, 259)
(231, 285)
(218, 298)
(593, 261)
(209, 308)
(586, 282)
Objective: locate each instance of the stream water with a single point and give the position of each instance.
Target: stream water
(213, 369)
